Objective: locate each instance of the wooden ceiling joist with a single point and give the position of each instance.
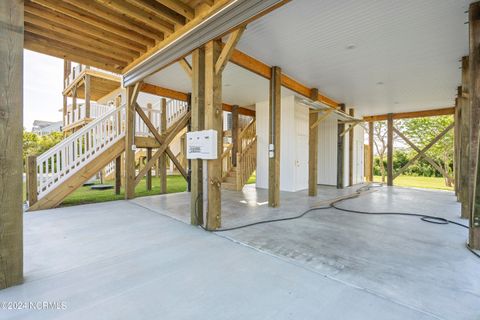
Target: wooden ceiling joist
(76, 25)
(155, 8)
(140, 15)
(100, 11)
(179, 8)
(92, 46)
(79, 14)
(43, 45)
(414, 114)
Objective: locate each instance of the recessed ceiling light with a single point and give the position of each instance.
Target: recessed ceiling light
(396, 102)
(350, 47)
(227, 85)
(380, 83)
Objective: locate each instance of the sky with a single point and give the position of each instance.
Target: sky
(42, 88)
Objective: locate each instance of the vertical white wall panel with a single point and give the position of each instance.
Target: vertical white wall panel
(358, 161)
(261, 110)
(301, 147)
(327, 152)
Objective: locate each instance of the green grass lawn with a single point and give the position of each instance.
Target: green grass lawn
(418, 182)
(86, 195)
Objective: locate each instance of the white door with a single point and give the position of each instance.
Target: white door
(301, 148)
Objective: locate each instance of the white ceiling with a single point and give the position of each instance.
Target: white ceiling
(405, 56)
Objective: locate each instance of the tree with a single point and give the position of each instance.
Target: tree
(380, 141)
(34, 144)
(422, 131)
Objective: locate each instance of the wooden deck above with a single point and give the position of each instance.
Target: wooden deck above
(101, 84)
(109, 34)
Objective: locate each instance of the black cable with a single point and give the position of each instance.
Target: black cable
(333, 205)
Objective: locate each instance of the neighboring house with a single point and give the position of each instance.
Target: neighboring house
(46, 127)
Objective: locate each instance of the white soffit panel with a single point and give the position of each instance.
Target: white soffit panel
(378, 56)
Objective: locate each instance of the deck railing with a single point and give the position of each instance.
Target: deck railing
(71, 154)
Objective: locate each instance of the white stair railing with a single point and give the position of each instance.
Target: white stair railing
(175, 110)
(71, 154)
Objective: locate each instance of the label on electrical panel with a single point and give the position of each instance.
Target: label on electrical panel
(202, 145)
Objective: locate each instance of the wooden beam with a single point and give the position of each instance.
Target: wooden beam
(390, 149)
(313, 149)
(340, 151)
(414, 114)
(177, 95)
(351, 137)
(227, 50)
(11, 127)
(131, 97)
(32, 191)
(258, 67)
(197, 124)
(474, 24)
(321, 118)
(370, 152)
(274, 138)
(186, 67)
(163, 92)
(214, 121)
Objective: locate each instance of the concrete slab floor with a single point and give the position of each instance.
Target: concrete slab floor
(417, 264)
(119, 260)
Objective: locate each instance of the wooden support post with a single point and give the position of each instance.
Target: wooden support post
(11, 126)
(456, 147)
(235, 132)
(474, 94)
(74, 103)
(197, 124)
(213, 120)
(130, 143)
(148, 178)
(66, 72)
(149, 172)
(340, 151)
(274, 137)
(465, 107)
(87, 96)
(119, 159)
(162, 160)
(390, 149)
(313, 148)
(118, 174)
(351, 143)
(32, 180)
(370, 151)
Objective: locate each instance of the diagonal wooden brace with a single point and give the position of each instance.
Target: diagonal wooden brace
(160, 140)
(421, 153)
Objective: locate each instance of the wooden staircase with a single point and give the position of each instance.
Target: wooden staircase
(64, 168)
(236, 176)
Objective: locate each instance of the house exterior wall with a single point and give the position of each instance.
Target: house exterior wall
(293, 145)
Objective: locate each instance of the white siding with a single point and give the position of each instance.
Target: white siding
(327, 152)
(261, 110)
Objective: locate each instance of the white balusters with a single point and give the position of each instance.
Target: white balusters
(71, 154)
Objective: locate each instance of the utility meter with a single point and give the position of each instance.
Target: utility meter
(202, 145)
